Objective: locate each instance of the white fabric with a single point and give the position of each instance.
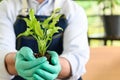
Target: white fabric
(24, 10)
(76, 48)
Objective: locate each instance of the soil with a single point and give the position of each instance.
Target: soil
(37, 55)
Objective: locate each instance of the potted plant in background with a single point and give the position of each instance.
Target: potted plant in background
(111, 20)
(42, 32)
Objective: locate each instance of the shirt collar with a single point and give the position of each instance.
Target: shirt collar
(35, 1)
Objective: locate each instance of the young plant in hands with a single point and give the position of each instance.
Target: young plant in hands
(42, 32)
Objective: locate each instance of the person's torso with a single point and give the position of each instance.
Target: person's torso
(57, 40)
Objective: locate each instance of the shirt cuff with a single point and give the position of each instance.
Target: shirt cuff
(77, 69)
(4, 75)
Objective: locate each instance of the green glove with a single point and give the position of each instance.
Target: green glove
(26, 64)
(49, 71)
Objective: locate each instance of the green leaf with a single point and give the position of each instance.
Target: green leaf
(38, 29)
(46, 22)
(26, 33)
(32, 17)
(28, 22)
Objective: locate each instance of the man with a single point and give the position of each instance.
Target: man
(71, 62)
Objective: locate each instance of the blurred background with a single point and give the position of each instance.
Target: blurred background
(104, 39)
(102, 29)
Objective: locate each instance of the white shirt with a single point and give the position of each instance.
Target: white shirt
(76, 49)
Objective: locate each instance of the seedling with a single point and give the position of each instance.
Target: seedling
(42, 32)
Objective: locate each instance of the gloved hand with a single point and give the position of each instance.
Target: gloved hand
(49, 71)
(26, 64)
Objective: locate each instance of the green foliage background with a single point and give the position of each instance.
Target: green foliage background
(95, 23)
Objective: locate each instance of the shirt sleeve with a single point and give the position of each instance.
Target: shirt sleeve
(7, 36)
(76, 49)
